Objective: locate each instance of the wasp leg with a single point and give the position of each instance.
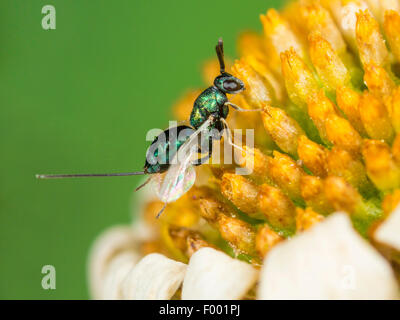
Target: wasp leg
(161, 211)
(143, 184)
(205, 158)
(234, 106)
(229, 136)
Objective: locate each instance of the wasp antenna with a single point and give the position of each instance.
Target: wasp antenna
(89, 175)
(220, 54)
(161, 211)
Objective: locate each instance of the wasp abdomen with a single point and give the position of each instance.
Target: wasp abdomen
(164, 147)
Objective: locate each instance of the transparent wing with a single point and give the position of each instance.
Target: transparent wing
(171, 190)
(181, 175)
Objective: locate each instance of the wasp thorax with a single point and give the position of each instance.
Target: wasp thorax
(228, 83)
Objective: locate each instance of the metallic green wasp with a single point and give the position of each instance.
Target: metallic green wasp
(208, 116)
(177, 150)
(214, 101)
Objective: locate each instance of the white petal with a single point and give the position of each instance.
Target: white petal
(212, 274)
(117, 271)
(110, 243)
(328, 261)
(388, 232)
(155, 277)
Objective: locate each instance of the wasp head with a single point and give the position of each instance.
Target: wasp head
(227, 83)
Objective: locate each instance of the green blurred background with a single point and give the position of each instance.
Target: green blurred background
(81, 99)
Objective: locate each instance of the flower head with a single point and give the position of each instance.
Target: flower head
(327, 140)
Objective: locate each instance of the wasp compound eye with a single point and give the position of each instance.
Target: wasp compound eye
(232, 85)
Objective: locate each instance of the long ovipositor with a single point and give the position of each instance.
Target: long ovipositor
(158, 155)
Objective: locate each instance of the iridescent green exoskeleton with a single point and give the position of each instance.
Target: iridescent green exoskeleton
(213, 101)
(208, 116)
(176, 150)
(164, 147)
